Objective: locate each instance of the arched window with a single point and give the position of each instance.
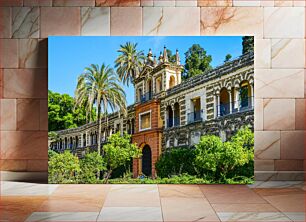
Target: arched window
(158, 85)
(171, 82)
(84, 140)
(245, 95)
(176, 114)
(169, 117)
(224, 102)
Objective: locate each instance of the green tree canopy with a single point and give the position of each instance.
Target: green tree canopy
(62, 114)
(171, 57)
(247, 44)
(227, 57)
(196, 61)
(91, 165)
(129, 62)
(103, 90)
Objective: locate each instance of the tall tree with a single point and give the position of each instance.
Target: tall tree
(129, 62)
(62, 114)
(171, 57)
(104, 91)
(247, 44)
(197, 61)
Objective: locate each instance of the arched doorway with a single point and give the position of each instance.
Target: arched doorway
(146, 160)
(224, 102)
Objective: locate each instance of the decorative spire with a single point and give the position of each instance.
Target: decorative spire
(154, 60)
(160, 58)
(177, 58)
(150, 55)
(165, 55)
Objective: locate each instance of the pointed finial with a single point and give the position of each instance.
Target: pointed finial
(177, 58)
(165, 54)
(160, 58)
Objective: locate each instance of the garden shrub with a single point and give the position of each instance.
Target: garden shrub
(91, 165)
(176, 161)
(63, 168)
(220, 161)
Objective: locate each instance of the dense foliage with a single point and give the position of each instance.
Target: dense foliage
(119, 151)
(227, 57)
(247, 44)
(196, 61)
(62, 113)
(219, 160)
(176, 161)
(212, 159)
(63, 168)
(91, 165)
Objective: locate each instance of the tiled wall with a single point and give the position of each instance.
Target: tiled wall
(279, 28)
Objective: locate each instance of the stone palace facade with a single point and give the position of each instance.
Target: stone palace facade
(169, 112)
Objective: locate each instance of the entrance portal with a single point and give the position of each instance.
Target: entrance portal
(146, 161)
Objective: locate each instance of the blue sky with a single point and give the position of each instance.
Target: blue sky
(69, 55)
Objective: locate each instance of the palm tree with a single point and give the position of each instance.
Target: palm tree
(100, 87)
(129, 62)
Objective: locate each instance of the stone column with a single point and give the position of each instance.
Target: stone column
(230, 101)
(237, 102)
(218, 105)
(172, 107)
(252, 94)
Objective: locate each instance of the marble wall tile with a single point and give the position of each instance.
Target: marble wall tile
(51, 17)
(232, 21)
(163, 3)
(33, 53)
(43, 116)
(37, 165)
(1, 83)
(13, 165)
(276, 83)
(28, 111)
(5, 3)
(73, 2)
(292, 145)
(37, 2)
(160, 21)
(300, 114)
(278, 22)
(262, 53)
(126, 21)
(25, 83)
(258, 114)
(238, 3)
(284, 3)
(305, 82)
(289, 165)
(263, 165)
(25, 145)
(220, 3)
(8, 114)
(267, 3)
(146, 2)
(283, 50)
(279, 114)
(5, 22)
(8, 53)
(117, 2)
(299, 3)
(186, 3)
(95, 21)
(267, 145)
(25, 22)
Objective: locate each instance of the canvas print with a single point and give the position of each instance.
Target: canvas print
(152, 109)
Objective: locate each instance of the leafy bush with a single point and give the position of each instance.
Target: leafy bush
(219, 161)
(91, 165)
(176, 161)
(63, 168)
(118, 151)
